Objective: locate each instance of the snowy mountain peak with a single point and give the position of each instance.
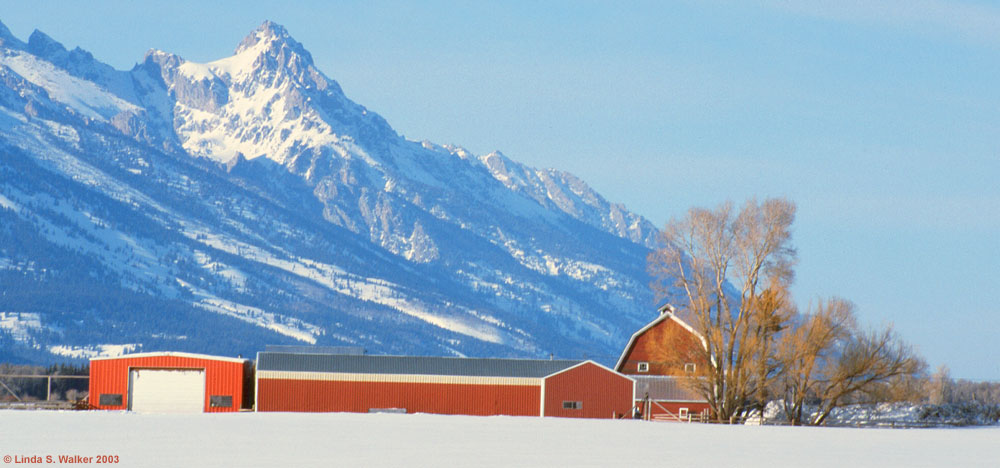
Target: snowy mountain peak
(158, 56)
(274, 39)
(267, 31)
(78, 62)
(266, 100)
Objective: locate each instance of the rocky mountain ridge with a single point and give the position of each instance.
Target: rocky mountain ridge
(217, 207)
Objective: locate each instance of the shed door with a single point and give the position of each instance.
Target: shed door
(167, 390)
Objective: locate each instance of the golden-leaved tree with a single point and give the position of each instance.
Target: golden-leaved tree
(827, 359)
(730, 269)
(728, 273)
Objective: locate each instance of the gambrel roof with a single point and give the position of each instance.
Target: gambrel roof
(666, 312)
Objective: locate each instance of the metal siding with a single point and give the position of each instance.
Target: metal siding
(361, 396)
(603, 392)
(222, 377)
(400, 378)
(664, 388)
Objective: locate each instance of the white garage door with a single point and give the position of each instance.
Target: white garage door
(166, 390)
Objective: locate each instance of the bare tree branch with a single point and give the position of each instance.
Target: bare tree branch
(729, 271)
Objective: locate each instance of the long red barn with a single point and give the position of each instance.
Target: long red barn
(442, 385)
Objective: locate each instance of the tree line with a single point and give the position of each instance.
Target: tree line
(941, 389)
(728, 270)
(14, 388)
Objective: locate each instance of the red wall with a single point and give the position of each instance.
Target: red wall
(359, 397)
(603, 392)
(666, 347)
(111, 376)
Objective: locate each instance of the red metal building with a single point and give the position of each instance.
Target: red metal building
(516, 387)
(169, 382)
(660, 356)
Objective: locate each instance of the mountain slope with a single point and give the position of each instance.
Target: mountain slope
(218, 207)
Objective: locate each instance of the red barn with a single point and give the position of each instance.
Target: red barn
(169, 382)
(660, 356)
(442, 385)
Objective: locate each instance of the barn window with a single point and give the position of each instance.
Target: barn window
(110, 399)
(683, 413)
(572, 405)
(643, 367)
(220, 401)
(690, 368)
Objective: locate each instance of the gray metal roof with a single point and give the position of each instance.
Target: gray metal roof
(663, 388)
(411, 365)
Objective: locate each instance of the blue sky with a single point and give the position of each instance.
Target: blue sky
(879, 119)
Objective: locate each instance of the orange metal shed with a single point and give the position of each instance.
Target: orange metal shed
(224, 378)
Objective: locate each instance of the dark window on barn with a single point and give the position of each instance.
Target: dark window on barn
(572, 405)
(110, 399)
(643, 367)
(690, 368)
(220, 401)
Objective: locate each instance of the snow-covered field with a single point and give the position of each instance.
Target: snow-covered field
(394, 440)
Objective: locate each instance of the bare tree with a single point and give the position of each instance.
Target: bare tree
(870, 359)
(828, 361)
(807, 352)
(971, 392)
(730, 271)
(939, 386)
(910, 388)
(868, 362)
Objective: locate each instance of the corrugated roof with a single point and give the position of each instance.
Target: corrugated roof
(410, 365)
(171, 353)
(663, 388)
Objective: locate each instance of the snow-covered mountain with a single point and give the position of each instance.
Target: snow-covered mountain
(221, 206)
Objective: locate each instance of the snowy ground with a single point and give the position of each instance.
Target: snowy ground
(394, 440)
